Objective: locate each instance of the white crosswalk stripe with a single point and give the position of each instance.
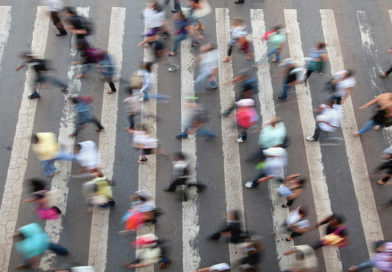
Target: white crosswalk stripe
(21, 145)
(147, 173)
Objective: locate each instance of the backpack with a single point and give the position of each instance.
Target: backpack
(246, 117)
(86, 25)
(94, 54)
(40, 65)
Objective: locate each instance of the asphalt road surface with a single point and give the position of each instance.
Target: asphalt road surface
(339, 170)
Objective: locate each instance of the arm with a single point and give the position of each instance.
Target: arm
(324, 221)
(207, 269)
(349, 92)
(20, 67)
(261, 180)
(371, 102)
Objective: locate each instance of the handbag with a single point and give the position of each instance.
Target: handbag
(136, 81)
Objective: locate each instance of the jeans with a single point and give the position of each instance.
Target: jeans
(86, 67)
(178, 39)
(58, 249)
(284, 91)
(274, 51)
(260, 175)
(368, 126)
(202, 80)
(48, 79)
(147, 96)
(317, 131)
(365, 265)
(84, 122)
(203, 131)
(131, 119)
(48, 165)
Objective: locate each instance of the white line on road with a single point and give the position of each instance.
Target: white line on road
(231, 157)
(267, 110)
(356, 159)
(319, 185)
(60, 180)
(190, 210)
(107, 143)
(5, 26)
(20, 148)
(147, 171)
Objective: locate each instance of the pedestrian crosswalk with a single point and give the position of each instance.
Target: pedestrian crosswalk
(367, 225)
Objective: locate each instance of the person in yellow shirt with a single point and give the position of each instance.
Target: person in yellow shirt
(47, 149)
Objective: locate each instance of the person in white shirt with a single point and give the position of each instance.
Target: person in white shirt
(132, 107)
(208, 67)
(344, 83)
(148, 83)
(54, 8)
(297, 222)
(328, 120)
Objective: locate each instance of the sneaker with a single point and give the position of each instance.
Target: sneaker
(59, 34)
(310, 138)
(34, 96)
(240, 140)
(64, 91)
(249, 184)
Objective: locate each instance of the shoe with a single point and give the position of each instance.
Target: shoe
(281, 99)
(141, 99)
(100, 129)
(59, 34)
(208, 138)
(166, 189)
(64, 91)
(34, 96)
(179, 136)
(238, 2)
(310, 138)
(200, 188)
(249, 184)
(240, 140)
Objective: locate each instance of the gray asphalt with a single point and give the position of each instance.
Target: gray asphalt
(212, 208)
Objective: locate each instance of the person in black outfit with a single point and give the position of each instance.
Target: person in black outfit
(289, 81)
(39, 66)
(232, 229)
(254, 253)
(181, 174)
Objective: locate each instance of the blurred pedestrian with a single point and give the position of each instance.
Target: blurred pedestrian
(99, 193)
(77, 24)
(379, 247)
(328, 120)
(383, 113)
(231, 229)
(273, 167)
(290, 79)
(84, 113)
(181, 174)
(207, 62)
(305, 259)
(254, 251)
(39, 66)
(273, 133)
(292, 188)
(343, 83)
(221, 267)
(132, 107)
(145, 71)
(54, 8)
(149, 251)
(246, 117)
(238, 38)
(47, 149)
(275, 39)
(336, 232)
(198, 10)
(32, 242)
(91, 57)
(182, 29)
(297, 222)
(88, 157)
(107, 70)
(45, 199)
(318, 58)
(196, 122)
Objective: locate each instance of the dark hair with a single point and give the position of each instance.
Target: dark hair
(78, 146)
(179, 156)
(34, 138)
(148, 66)
(378, 244)
(129, 90)
(301, 181)
(37, 185)
(350, 72)
(235, 214)
(340, 219)
(302, 211)
(320, 45)
(277, 28)
(70, 10)
(74, 100)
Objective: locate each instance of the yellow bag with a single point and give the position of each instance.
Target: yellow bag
(136, 81)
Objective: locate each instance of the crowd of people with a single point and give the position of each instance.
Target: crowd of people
(270, 156)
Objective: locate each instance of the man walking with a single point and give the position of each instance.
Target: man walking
(84, 114)
(39, 67)
(208, 67)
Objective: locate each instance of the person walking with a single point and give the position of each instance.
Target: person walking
(155, 21)
(343, 83)
(385, 165)
(54, 8)
(147, 75)
(88, 158)
(328, 120)
(78, 25)
(31, 243)
(292, 186)
(84, 114)
(318, 58)
(297, 222)
(182, 29)
(382, 117)
(336, 232)
(181, 174)
(379, 247)
(246, 117)
(107, 70)
(290, 79)
(238, 38)
(39, 66)
(305, 259)
(47, 149)
(207, 62)
(132, 107)
(272, 168)
(231, 229)
(254, 252)
(196, 122)
(275, 40)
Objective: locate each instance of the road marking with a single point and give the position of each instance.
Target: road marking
(60, 180)
(13, 188)
(371, 49)
(356, 159)
(147, 171)
(5, 26)
(190, 208)
(267, 110)
(319, 185)
(107, 142)
(231, 157)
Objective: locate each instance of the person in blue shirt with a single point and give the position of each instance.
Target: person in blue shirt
(84, 114)
(107, 70)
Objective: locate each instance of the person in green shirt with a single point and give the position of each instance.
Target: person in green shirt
(275, 39)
